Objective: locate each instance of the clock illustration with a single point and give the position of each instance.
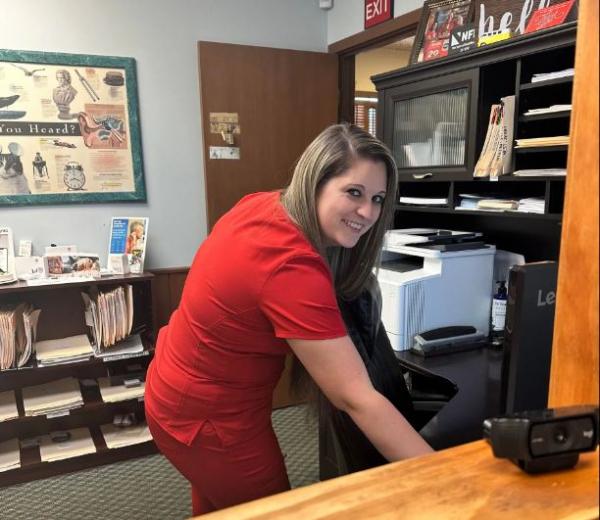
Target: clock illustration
(73, 176)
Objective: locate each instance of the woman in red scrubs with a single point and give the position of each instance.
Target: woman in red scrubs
(263, 284)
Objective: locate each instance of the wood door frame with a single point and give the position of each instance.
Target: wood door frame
(347, 49)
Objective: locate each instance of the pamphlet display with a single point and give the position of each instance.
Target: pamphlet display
(127, 237)
(7, 256)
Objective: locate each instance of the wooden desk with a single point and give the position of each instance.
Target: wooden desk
(458, 483)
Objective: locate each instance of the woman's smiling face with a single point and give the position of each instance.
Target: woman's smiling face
(348, 205)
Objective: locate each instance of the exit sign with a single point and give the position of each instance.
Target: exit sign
(377, 11)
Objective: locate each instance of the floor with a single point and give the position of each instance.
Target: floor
(148, 487)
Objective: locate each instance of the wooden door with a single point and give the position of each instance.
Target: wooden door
(282, 98)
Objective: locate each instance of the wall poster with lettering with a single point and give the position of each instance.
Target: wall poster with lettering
(69, 129)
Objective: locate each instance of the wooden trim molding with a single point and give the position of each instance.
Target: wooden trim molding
(574, 372)
(404, 25)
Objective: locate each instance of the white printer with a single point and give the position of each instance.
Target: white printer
(432, 278)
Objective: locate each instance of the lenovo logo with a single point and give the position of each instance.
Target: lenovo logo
(549, 299)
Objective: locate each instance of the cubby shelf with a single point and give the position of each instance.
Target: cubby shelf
(565, 114)
(548, 83)
(62, 315)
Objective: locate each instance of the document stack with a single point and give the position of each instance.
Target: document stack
(56, 397)
(109, 315)
(8, 406)
(78, 442)
(496, 154)
(10, 455)
(129, 389)
(547, 76)
(63, 350)
(18, 325)
(532, 142)
(116, 437)
(532, 205)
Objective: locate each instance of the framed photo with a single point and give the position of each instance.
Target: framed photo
(438, 19)
(69, 129)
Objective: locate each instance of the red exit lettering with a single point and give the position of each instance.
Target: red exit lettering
(377, 11)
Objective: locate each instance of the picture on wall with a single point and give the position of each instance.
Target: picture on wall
(438, 19)
(69, 129)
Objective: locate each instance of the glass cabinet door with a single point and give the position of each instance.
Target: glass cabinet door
(430, 126)
(430, 130)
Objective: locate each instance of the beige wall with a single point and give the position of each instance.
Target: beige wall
(377, 61)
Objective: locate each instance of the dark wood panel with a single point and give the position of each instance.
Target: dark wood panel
(574, 373)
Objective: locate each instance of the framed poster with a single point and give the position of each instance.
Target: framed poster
(439, 18)
(69, 129)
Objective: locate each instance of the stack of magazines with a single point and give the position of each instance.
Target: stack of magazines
(18, 325)
(109, 315)
(496, 154)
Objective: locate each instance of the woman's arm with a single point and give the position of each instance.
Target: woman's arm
(339, 371)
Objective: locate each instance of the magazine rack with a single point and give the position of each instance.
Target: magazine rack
(466, 86)
(62, 315)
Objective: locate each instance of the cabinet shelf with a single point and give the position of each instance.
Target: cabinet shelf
(517, 178)
(540, 117)
(549, 83)
(63, 315)
(33, 468)
(501, 214)
(540, 149)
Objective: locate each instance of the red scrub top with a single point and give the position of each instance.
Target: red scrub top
(255, 281)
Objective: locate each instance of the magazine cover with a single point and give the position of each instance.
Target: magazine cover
(128, 237)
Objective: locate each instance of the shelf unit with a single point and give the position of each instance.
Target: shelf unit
(62, 315)
(488, 74)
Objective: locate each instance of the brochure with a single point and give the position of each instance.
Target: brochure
(128, 237)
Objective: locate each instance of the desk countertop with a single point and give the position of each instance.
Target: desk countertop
(458, 483)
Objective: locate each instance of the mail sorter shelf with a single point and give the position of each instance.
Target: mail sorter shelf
(32, 468)
(62, 315)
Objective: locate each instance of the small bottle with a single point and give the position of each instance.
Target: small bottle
(499, 313)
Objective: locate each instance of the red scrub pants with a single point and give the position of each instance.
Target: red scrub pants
(224, 476)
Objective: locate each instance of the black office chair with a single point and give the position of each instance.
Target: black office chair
(343, 447)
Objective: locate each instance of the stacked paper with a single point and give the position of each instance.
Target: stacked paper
(119, 437)
(498, 204)
(18, 325)
(537, 172)
(548, 110)
(113, 394)
(542, 141)
(10, 455)
(129, 347)
(63, 350)
(424, 201)
(532, 205)
(109, 316)
(52, 397)
(8, 406)
(80, 443)
(546, 76)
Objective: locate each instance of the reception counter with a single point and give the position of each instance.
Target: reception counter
(457, 483)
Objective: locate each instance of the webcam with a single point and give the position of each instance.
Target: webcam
(544, 440)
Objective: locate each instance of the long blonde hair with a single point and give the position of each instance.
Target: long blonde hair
(332, 153)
